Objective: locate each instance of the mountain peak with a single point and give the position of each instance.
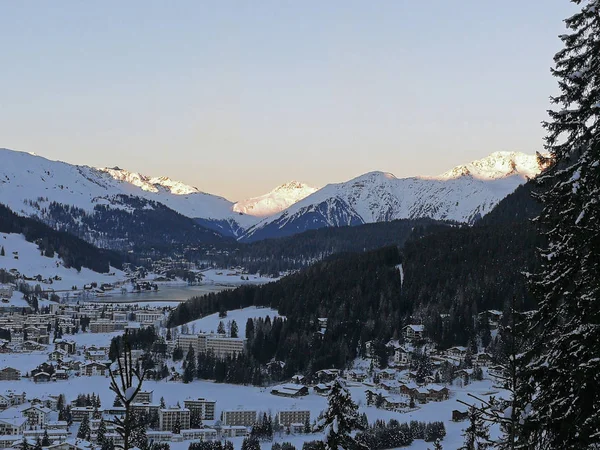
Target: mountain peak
(275, 201)
(497, 165)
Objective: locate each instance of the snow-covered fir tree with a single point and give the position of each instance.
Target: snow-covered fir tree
(477, 433)
(100, 434)
(564, 357)
(84, 428)
(340, 419)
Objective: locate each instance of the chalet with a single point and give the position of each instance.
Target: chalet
(57, 355)
(9, 440)
(457, 352)
(327, 375)
(413, 332)
(67, 346)
(391, 386)
(31, 346)
(12, 425)
(10, 374)
(231, 431)
(42, 377)
(290, 390)
(94, 368)
(322, 389)
(465, 374)
(36, 415)
(386, 374)
(298, 379)
(483, 359)
(437, 393)
(61, 374)
(357, 375)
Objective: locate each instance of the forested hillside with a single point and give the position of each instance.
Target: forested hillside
(272, 256)
(75, 252)
(448, 277)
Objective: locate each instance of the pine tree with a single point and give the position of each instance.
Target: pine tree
(221, 328)
(101, 432)
(476, 435)
(234, 329)
(25, 445)
(250, 443)
(163, 405)
(84, 428)
(340, 419)
(563, 363)
(38, 444)
(437, 445)
(45, 439)
(190, 366)
(117, 403)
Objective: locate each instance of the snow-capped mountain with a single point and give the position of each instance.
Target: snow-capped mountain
(462, 194)
(31, 184)
(277, 200)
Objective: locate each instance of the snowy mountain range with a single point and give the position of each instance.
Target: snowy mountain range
(32, 186)
(462, 194)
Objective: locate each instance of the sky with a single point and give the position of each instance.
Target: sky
(237, 97)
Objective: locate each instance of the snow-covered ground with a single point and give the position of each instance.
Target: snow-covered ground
(31, 263)
(255, 398)
(232, 278)
(241, 316)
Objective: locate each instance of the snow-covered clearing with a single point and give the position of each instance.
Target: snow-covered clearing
(241, 316)
(31, 263)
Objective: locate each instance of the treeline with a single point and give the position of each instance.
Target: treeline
(272, 256)
(138, 223)
(74, 252)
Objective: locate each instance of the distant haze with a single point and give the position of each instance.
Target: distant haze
(237, 98)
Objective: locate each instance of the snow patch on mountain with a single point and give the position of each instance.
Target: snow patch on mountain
(277, 200)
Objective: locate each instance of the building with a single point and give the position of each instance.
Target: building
(290, 390)
(239, 417)
(105, 326)
(148, 317)
(67, 346)
(202, 434)
(6, 290)
(232, 431)
(457, 352)
(168, 417)
(78, 412)
(143, 397)
(94, 368)
(205, 408)
(201, 343)
(287, 418)
(37, 415)
(13, 425)
(10, 374)
(413, 332)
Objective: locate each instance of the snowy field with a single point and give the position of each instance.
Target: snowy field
(241, 316)
(31, 263)
(229, 278)
(248, 397)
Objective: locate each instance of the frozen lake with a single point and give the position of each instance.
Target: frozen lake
(165, 294)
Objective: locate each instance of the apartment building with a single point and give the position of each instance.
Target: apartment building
(293, 416)
(143, 397)
(168, 417)
(10, 374)
(223, 346)
(239, 417)
(205, 408)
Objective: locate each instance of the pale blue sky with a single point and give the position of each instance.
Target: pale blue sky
(238, 97)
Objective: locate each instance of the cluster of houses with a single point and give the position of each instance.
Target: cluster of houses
(22, 418)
